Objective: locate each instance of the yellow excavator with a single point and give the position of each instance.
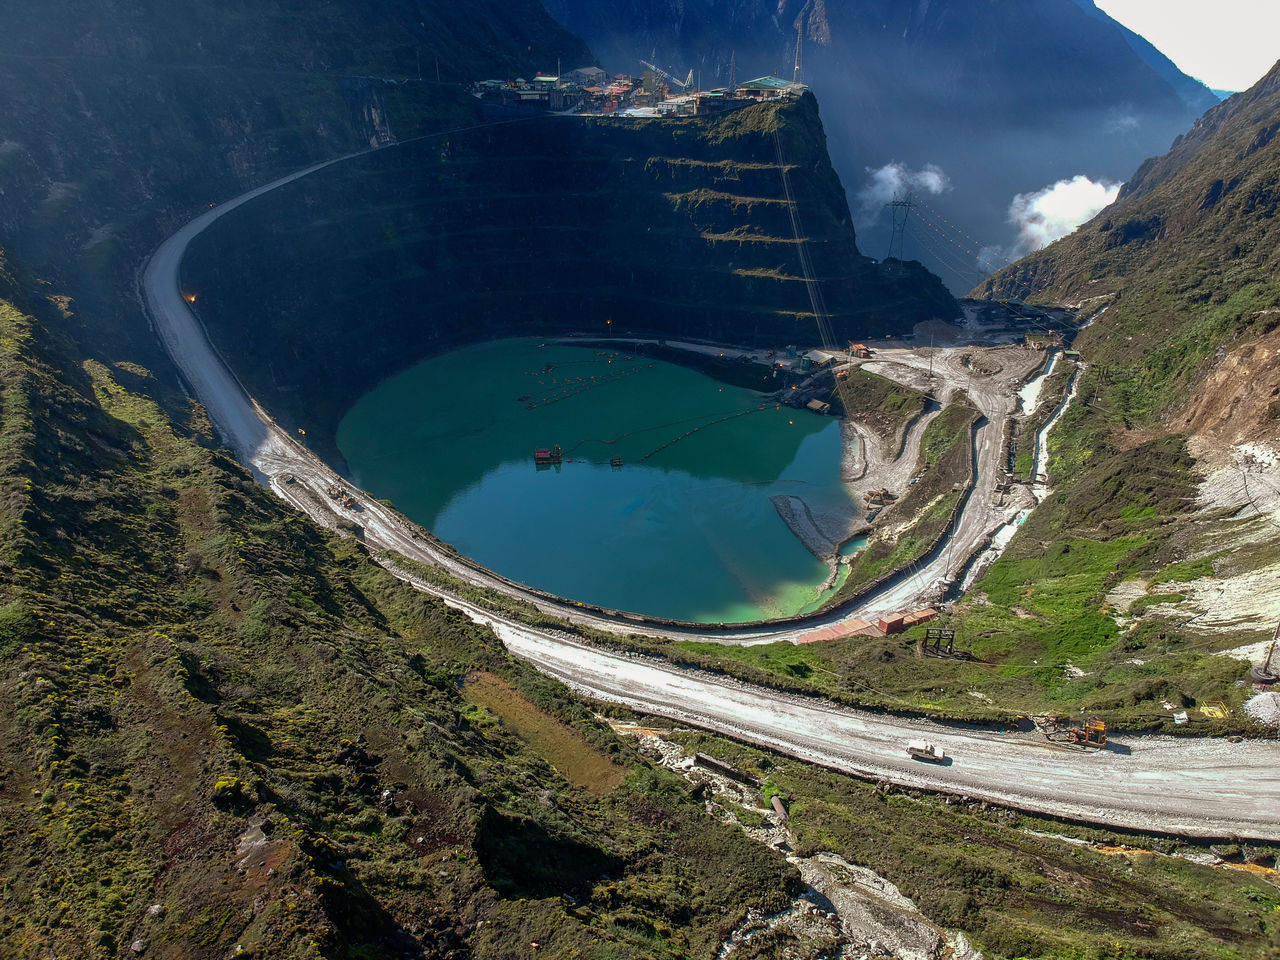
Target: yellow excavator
(1087, 733)
(1092, 733)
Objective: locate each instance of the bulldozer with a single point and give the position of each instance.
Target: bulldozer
(1264, 673)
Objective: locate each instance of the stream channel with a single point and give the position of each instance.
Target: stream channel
(685, 527)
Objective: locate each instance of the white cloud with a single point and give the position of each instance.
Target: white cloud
(1045, 215)
(993, 257)
(897, 179)
(1121, 121)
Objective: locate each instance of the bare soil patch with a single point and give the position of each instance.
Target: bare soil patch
(554, 740)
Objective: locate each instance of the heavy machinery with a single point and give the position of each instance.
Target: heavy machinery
(1087, 733)
(1093, 733)
(682, 84)
(1264, 673)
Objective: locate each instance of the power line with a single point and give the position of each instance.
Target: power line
(816, 300)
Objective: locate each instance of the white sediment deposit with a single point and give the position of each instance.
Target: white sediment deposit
(821, 533)
(1265, 708)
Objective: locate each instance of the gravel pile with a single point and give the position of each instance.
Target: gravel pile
(1265, 708)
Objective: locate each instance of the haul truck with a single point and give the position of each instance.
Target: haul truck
(924, 750)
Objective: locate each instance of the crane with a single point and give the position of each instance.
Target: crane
(682, 84)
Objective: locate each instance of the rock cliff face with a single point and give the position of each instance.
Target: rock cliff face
(663, 228)
(119, 120)
(1005, 97)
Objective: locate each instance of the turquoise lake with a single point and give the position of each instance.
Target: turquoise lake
(684, 528)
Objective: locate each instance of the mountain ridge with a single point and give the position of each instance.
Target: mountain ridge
(1187, 250)
(1197, 95)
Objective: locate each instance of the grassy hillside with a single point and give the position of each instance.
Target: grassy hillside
(228, 728)
(1184, 262)
(1100, 601)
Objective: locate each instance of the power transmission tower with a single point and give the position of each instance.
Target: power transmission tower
(901, 210)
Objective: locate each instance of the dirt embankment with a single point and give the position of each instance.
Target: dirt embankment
(1237, 531)
(1239, 400)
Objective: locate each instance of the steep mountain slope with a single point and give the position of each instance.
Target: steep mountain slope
(1185, 263)
(119, 121)
(230, 732)
(1196, 95)
(1004, 97)
(1161, 543)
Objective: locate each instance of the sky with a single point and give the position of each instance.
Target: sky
(1226, 44)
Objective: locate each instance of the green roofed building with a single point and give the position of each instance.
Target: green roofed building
(769, 88)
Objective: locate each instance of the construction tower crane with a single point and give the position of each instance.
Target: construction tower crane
(682, 84)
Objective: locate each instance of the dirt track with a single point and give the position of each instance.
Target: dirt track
(1195, 787)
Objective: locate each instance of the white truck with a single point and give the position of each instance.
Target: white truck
(924, 750)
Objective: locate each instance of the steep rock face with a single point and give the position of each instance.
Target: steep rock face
(1186, 258)
(1239, 400)
(119, 120)
(1004, 97)
(666, 228)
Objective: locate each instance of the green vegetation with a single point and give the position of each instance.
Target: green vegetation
(1019, 893)
(880, 404)
(1184, 572)
(1041, 616)
(1051, 393)
(1142, 604)
(945, 462)
(557, 742)
(221, 709)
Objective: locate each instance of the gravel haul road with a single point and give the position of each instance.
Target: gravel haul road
(1197, 787)
(1191, 786)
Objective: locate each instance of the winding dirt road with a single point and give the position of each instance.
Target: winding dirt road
(1203, 788)
(1197, 787)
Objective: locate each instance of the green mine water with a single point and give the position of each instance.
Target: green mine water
(684, 529)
